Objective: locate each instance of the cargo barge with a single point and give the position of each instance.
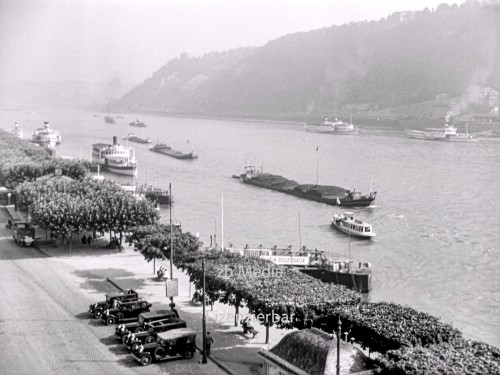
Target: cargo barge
(332, 195)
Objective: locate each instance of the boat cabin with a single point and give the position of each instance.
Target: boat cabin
(347, 223)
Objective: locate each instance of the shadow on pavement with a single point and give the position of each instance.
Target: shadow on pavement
(85, 316)
(12, 251)
(96, 280)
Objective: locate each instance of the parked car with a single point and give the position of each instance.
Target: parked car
(9, 223)
(125, 311)
(149, 335)
(178, 342)
(96, 309)
(23, 233)
(140, 325)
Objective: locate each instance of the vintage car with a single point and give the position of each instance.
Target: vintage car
(174, 343)
(125, 311)
(23, 233)
(140, 325)
(96, 309)
(149, 335)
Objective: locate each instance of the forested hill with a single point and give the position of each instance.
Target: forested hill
(406, 58)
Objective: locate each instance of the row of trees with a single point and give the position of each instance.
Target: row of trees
(67, 207)
(410, 341)
(22, 161)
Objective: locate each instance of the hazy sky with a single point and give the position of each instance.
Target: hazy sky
(95, 40)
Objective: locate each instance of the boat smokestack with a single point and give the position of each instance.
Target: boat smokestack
(115, 140)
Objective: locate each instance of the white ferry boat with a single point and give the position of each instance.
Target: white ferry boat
(16, 132)
(347, 224)
(115, 158)
(333, 127)
(46, 137)
(447, 133)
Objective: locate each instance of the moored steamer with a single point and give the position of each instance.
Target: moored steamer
(357, 276)
(115, 158)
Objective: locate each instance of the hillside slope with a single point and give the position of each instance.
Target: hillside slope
(406, 58)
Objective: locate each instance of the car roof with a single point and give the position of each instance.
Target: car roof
(131, 302)
(156, 323)
(176, 333)
(152, 314)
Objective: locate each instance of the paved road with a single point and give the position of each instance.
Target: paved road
(44, 328)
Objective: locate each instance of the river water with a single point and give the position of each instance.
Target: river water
(437, 215)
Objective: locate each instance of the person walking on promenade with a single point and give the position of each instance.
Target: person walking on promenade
(84, 240)
(89, 240)
(210, 341)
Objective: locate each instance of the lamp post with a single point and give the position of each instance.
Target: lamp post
(172, 304)
(204, 359)
(8, 197)
(338, 345)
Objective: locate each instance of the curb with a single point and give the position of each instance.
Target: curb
(42, 251)
(219, 364)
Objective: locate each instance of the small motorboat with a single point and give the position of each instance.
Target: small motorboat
(346, 223)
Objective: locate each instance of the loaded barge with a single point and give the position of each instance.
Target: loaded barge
(332, 195)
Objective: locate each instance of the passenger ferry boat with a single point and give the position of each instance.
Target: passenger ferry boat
(46, 137)
(333, 127)
(16, 132)
(347, 224)
(115, 158)
(447, 133)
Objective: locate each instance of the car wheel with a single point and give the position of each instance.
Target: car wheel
(159, 353)
(110, 321)
(146, 360)
(139, 329)
(188, 354)
(149, 339)
(120, 317)
(97, 314)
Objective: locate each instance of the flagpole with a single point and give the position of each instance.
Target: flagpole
(222, 223)
(300, 236)
(317, 164)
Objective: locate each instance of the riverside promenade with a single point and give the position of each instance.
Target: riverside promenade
(83, 272)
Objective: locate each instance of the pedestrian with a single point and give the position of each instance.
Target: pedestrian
(209, 341)
(89, 240)
(94, 236)
(84, 240)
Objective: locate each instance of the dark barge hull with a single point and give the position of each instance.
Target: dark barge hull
(360, 280)
(160, 198)
(362, 202)
(177, 155)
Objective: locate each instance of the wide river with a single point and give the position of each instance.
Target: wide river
(437, 215)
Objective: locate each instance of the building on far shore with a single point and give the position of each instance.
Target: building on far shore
(314, 352)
